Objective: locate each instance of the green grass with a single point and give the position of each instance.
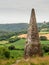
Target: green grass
(3, 42)
(44, 32)
(45, 42)
(17, 54)
(7, 61)
(21, 43)
(18, 44)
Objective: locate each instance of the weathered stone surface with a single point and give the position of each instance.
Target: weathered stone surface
(32, 46)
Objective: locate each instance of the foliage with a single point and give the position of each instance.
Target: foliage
(17, 54)
(21, 27)
(43, 38)
(14, 27)
(6, 35)
(20, 45)
(45, 48)
(7, 54)
(11, 40)
(33, 64)
(7, 61)
(4, 53)
(12, 47)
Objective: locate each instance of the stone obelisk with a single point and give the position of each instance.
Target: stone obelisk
(32, 46)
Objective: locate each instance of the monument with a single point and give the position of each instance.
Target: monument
(32, 46)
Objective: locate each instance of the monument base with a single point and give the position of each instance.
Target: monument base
(32, 50)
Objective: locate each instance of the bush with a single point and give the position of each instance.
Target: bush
(43, 38)
(11, 47)
(23, 38)
(45, 48)
(11, 40)
(7, 54)
(4, 53)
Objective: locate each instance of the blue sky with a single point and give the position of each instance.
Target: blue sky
(18, 11)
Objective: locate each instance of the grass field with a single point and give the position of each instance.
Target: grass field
(44, 32)
(19, 54)
(45, 42)
(19, 44)
(33, 61)
(3, 42)
(7, 61)
(29, 61)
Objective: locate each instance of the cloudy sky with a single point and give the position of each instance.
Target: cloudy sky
(18, 11)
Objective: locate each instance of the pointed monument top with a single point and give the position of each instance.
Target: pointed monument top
(32, 9)
(33, 12)
(33, 43)
(33, 17)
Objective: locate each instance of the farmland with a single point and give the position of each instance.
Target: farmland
(19, 44)
(19, 54)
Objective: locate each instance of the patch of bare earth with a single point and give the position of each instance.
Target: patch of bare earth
(40, 34)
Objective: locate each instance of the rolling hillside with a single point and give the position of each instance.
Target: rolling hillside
(13, 27)
(23, 27)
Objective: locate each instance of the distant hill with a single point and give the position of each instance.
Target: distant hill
(22, 27)
(13, 27)
(44, 27)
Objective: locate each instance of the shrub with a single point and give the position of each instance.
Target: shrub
(11, 47)
(43, 38)
(48, 53)
(23, 38)
(11, 40)
(45, 48)
(7, 54)
(4, 53)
